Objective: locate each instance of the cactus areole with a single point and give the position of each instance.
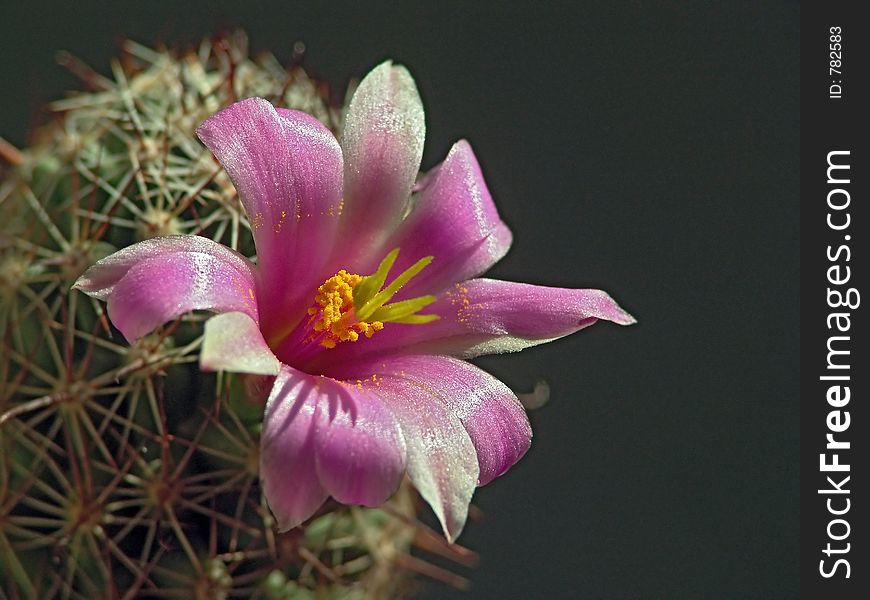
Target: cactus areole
(364, 303)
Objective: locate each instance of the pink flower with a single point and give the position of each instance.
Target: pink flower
(364, 302)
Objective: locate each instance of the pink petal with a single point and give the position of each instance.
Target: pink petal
(287, 169)
(323, 436)
(233, 342)
(99, 280)
(360, 448)
(441, 456)
(490, 412)
(486, 316)
(288, 471)
(158, 289)
(383, 144)
(454, 220)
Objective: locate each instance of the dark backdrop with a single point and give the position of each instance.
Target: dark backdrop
(649, 149)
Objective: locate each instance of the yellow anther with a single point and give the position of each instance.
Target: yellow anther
(369, 329)
(347, 304)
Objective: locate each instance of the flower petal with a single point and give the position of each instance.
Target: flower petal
(288, 473)
(441, 455)
(495, 420)
(287, 169)
(360, 449)
(100, 279)
(454, 220)
(335, 438)
(383, 144)
(490, 412)
(486, 316)
(233, 342)
(158, 289)
(441, 461)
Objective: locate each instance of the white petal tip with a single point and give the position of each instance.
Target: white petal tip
(625, 319)
(232, 342)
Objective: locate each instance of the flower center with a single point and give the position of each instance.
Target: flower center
(348, 305)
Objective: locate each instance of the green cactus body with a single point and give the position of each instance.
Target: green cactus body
(125, 471)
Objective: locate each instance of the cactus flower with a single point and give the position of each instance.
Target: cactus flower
(364, 303)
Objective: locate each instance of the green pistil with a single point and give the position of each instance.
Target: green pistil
(370, 301)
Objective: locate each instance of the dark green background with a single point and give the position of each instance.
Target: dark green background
(649, 149)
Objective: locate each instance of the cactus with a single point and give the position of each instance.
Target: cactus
(125, 471)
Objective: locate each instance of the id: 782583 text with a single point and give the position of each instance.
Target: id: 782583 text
(835, 63)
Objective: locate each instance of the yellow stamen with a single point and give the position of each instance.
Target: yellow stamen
(347, 304)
